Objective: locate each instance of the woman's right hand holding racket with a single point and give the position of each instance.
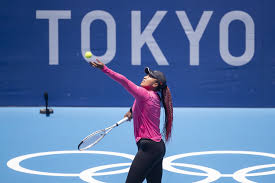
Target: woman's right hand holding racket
(97, 64)
(128, 115)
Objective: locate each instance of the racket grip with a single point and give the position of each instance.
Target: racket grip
(122, 121)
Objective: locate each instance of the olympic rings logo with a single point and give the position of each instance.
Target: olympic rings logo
(168, 164)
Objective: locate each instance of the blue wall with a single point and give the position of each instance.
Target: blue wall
(214, 53)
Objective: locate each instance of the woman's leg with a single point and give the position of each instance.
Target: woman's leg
(139, 167)
(148, 157)
(155, 174)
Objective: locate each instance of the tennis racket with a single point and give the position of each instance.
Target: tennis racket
(95, 137)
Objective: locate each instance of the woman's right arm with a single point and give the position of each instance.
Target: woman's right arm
(129, 114)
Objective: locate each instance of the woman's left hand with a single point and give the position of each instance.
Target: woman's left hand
(97, 64)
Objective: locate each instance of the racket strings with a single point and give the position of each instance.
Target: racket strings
(95, 137)
(91, 140)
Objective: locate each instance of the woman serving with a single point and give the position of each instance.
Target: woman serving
(145, 112)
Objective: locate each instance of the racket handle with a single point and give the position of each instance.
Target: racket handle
(122, 121)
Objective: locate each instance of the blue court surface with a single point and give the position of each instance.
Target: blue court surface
(221, 145)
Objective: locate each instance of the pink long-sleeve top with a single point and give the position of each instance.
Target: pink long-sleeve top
(145, 110)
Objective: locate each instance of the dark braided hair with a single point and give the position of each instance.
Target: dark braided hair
(166, 99)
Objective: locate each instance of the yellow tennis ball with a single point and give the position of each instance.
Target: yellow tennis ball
(88, 54)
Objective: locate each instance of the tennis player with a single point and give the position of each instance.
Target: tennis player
(145, 111)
